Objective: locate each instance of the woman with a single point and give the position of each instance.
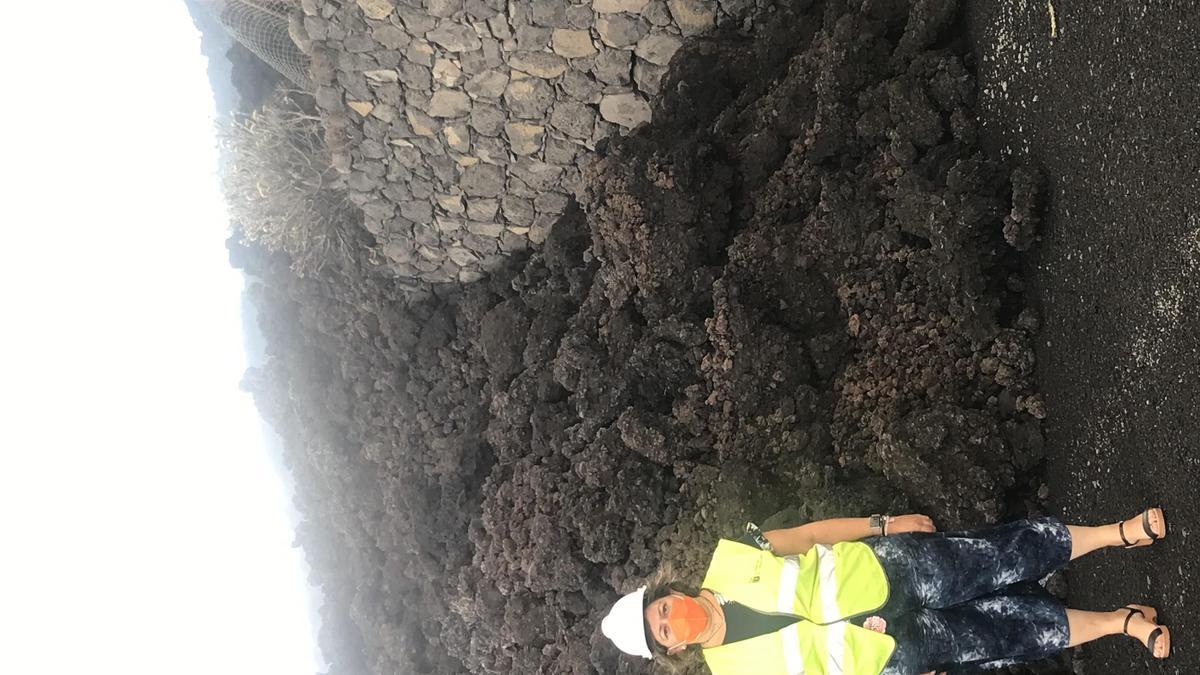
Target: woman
(884, 595)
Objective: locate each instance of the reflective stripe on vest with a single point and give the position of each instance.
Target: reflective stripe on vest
(793, 659)
(836, 640)
(789, 574)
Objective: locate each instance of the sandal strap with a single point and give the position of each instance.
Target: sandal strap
(1146, 526)
(1121, 530)
(1154, 638)
(1132, 611)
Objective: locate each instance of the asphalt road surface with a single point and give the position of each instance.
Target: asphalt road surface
(1105, 97)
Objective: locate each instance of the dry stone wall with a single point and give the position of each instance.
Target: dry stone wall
(462, 125)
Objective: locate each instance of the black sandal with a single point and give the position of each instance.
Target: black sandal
(1154, 635)
(1154, 536)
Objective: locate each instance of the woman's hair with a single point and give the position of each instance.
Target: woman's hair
(662, 584)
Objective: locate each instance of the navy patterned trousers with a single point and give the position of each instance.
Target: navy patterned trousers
(964, 601)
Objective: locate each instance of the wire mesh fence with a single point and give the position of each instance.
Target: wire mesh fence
(262, 27)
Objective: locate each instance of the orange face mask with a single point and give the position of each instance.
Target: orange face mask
(687, 618)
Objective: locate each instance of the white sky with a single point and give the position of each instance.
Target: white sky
(142, 527)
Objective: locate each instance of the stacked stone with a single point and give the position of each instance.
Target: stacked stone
(462, 125)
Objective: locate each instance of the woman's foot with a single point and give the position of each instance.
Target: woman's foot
(1140, 623)
(1143, 529)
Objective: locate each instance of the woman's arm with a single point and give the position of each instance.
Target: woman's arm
(798, 540)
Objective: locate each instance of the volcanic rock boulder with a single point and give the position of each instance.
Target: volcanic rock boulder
(792, 293)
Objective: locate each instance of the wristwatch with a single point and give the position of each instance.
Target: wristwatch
(878, 523)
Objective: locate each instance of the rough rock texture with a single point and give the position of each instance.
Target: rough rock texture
(416, 93)
(791, 291)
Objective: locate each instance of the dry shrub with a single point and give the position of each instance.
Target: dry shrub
(282, 190)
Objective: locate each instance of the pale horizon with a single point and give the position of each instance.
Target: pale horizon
(147, 529)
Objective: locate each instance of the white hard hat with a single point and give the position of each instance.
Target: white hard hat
(626, 626)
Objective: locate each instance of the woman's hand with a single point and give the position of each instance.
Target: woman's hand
(910, 523)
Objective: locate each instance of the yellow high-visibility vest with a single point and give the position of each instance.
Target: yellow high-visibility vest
(824, 587)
